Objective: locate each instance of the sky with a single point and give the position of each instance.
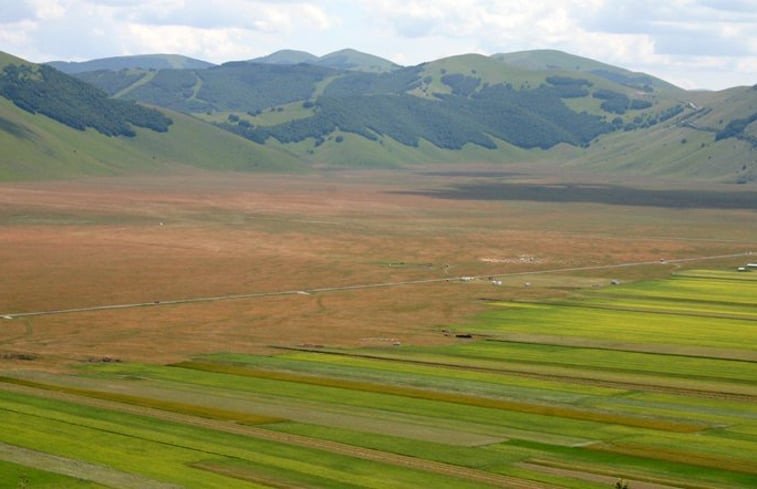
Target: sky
(705, 44)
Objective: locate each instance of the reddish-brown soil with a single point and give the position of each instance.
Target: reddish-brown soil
(131, 240)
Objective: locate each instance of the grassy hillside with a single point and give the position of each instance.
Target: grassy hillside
(459, 109)
(6, 59)
(45, 90)
(37, 147)
(692, 144)
(549, 59)
(287, 57)
(453, 102)
(343, 60)
(350, 59)
(470, 99)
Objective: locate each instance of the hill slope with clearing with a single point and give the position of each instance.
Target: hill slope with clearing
(54, 126)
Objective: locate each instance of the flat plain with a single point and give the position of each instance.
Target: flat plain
(478, 328)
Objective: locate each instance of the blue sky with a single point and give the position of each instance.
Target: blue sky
(708, 44)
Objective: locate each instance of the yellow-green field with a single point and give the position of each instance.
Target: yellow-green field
(653, 382)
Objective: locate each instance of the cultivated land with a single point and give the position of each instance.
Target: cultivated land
(316, 331)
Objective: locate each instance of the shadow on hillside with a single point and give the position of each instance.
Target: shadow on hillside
(14, 129)
(599, 194)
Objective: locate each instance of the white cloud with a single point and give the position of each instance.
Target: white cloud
(226, 44)
(678, 39)
(11, 12)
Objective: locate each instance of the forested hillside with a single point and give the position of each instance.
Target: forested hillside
(74, 103)
(55, 126)
(449, 103)
(361, 111)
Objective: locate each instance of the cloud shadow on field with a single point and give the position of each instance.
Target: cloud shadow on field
(597, 194)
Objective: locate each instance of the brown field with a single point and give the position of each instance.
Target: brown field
(100, 242)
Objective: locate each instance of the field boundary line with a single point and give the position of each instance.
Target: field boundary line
(616, 384)
(340, 288)
(656, 349)
(648, 310)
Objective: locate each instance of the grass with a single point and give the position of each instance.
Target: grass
(619, 326)
(172, 406)
(631, 363)
(16, 476)
(627, 466)
(37, 147)
(542, 409)
(166, 450)
(473, 457)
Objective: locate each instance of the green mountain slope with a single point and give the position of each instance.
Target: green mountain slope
(144, 62)
(716, 138)
(543, 105)
(344, 60)
(234, 86)
(287, 57)
(469, 99)
(553, 60)
(463, 108)
(55, 126)
(7, 58)
(43, 89)
(37, 147)
(350, 59)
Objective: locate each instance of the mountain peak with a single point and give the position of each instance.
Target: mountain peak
(287, 57)
(352, 59)
(343, 59)
(553, 59)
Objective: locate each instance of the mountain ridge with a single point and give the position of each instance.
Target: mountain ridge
(462, 108)
(54, 126)
(343, 59)
(141, 61)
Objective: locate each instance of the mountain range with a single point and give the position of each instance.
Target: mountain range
(294, 110)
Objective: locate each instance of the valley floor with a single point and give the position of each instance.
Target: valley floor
(484, 328)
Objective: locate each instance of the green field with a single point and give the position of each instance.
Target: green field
(653, 382)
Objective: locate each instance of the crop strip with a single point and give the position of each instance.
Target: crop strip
(177, 407)
(79, 469)
(653, 310)
(683, 391)
(508, 405)
(672, 350)
(242, 473)
(625, 474)
(476, 475)
(677, 456)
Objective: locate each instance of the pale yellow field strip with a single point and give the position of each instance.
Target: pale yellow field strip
(100, 474)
